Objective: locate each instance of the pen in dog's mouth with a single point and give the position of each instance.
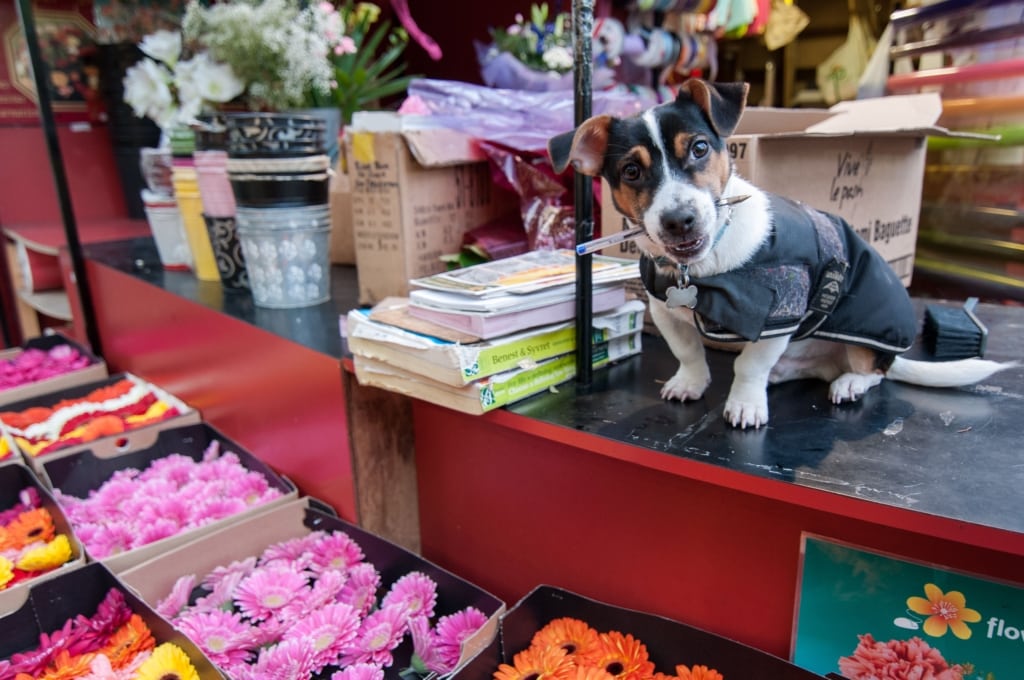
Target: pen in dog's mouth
(731, 200)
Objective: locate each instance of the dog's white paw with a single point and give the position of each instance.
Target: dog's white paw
(687, 384)
(747, 410)
(852, 386)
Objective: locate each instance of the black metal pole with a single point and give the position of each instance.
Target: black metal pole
(583, 28)
(40, 74)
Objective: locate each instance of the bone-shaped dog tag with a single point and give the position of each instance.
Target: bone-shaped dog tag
(681, 297)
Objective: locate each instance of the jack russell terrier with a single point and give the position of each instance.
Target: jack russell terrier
(796, 290)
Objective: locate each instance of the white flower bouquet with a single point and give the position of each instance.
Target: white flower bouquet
(173, 91)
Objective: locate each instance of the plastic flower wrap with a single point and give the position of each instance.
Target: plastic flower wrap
(174, 494)
(534, 54)
(312, 607)
(112, 643)
(29, 543)
(173, 91)
(570, 648)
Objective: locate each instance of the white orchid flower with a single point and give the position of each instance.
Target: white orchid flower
(163, 46)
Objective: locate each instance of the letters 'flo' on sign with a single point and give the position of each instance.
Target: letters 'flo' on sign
(861, 614)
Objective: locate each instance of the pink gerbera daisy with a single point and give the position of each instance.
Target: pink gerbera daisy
(415, 591)
(359, 671)
(360, 590)
(336, 550)
(327, 631)
(380, 633)
(424, 645)
(324, 591)
(249, 489)
(220, 597)
(222, 635)
(177, 598)
(452, 630)
(243, 567)
(158, 529)
(215, 509)
(291, 550)
(265, 591)
(114, 538)
(287, 660)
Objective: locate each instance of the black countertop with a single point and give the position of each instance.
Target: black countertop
(315, 327)
(952, 453)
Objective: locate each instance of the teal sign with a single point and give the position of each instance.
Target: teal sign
(865, 615)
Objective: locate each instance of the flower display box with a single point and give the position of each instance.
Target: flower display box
(67, 421)
(15, 480)
(118, 544)
(38, 366)
(288, 525)
(51, 607)
(668, 643)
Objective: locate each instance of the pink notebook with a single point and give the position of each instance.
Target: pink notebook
(492, 325)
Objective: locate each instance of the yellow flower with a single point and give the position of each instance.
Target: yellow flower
(48, 556)
(6, 572)
(167, 662)
(944, 610)
(367, 11)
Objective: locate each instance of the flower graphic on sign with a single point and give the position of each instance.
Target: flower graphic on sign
(944, 611)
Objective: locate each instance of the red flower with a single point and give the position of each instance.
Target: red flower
(912, 659)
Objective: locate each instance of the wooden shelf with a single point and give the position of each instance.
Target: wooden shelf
(52, 303)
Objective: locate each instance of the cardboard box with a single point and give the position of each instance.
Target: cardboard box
(48, 605)
(342, 244)
(96, 370)
(862, 160)
(10, 441)
(668, 642)
(80, 473)
(152, 580)
(415, 192)
(13, 479)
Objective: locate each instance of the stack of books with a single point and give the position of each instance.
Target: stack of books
(485, 336)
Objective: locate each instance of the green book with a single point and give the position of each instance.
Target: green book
(458, 364)
(497, 390)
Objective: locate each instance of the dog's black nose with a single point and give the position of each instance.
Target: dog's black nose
(679, 220)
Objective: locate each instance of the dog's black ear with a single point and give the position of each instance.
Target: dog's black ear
(583, 148)
(722, 103)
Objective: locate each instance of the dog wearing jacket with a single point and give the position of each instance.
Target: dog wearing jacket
(795, 290)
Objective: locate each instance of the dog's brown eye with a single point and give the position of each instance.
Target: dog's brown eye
(700, 148)
(631, 172)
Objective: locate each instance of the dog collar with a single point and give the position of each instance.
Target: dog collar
(684, 294)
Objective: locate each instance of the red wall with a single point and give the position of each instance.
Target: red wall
(27, 192)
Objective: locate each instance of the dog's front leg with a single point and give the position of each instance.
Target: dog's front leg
(676, 326)
(747, 404)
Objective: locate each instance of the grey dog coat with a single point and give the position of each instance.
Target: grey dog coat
(812, 277)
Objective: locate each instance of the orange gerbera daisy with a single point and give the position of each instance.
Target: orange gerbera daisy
(591, 673)
(128, 641)
(66, 667)
(624, 657)
(697, 673)
(31, 526)
(944, 611)
(6, 540)
(576, 637)
(538, 664)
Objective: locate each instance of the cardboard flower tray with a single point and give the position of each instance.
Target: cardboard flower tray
(60, 423)
(82, 473)
(47, 380)
(155, 579)
(47, 606)
(669, 643)
(14, 479)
